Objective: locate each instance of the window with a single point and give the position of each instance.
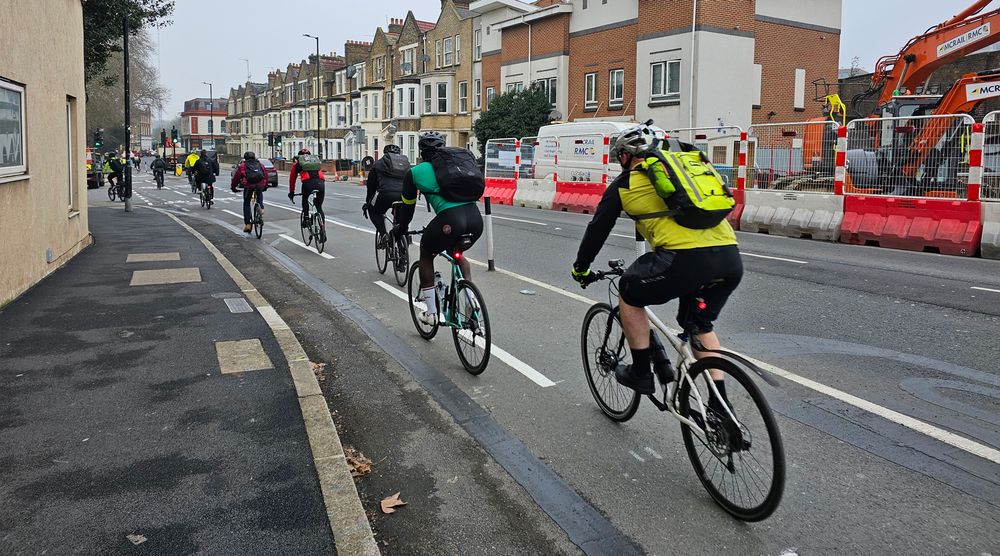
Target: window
(490, 95)
(458, 49)
(411, 143)
(194, 126)
(477, 49)
(548, 86)
(448, 53)
(70, 165)
(590, 90)
(616, 87)
(222, 126)
(388, 104)
(427, 98)
(364, 104)
(399, 103)
(665, 80)
(477, 91)
(800, 90)
(437, 54)
(379, 68)
(442, 97)
(463, 97)
(406, 62)
(357, 111)
(12, 139)
(211, 127)
(413, 101)
(375, 106)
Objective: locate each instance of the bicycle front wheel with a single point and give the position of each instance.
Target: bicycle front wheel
(317, 232)
(603, 345)
(111, 192)
(741, 461)
(472, 336)
(382, 253)
(306, 227)
(416, 303)
(201, 196)
(402, 261)
(258, 220)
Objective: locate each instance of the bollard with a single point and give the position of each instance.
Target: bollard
(128, 183)
(976, 162)
(640, 244)
(490, 265)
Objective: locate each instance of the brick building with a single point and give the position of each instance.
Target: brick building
(446, 86)
(203, 120)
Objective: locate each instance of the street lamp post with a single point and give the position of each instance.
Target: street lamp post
(319, 98)
(211, 114)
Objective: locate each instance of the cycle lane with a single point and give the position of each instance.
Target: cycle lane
(529, 411)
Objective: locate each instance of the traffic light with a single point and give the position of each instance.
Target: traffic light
(277, 141)
(270, 139)
(173, 134)
(98, 138)
(163, 136)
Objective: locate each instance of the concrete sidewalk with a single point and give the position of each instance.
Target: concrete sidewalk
(144, 402)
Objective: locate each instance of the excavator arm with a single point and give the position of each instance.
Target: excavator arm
(944, 43)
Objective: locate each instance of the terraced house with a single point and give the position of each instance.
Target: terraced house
(447, 84)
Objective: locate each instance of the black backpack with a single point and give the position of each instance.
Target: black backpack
(254, 171)
(204, 166)
(458, 174)
(394, 166)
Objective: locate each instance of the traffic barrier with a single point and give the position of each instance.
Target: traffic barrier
(793, 156)
(535, 193)
(945, 226)
(574, 196)
(502, 190)
(502, 159)
(991, 230)
(737, 212)
(793, 214)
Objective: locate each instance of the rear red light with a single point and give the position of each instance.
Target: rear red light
(702, 305)
(458, 255)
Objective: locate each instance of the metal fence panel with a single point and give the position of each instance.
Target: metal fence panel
(990, 190)
(796, 156)
(721, 144)
(528, 150)
(912, 156)
(500, 158)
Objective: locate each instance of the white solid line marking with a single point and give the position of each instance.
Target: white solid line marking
(652, 452)
(233, 213)
(304, 246)
(985, 289)
(519, 220)
(745, 254)
(636, 456)
(501, 354)
(179, 193)
(623, 235)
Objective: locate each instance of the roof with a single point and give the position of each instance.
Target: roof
(464, 13)
(391, 37)
(425, 26)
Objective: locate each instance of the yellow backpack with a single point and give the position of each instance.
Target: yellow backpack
(695, 193)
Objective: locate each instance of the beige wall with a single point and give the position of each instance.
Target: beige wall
(35, 215)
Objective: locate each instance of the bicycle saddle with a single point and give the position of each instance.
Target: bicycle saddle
(464, 242)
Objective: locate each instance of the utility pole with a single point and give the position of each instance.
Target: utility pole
(319, 99)
(128, 121)
(248, 68)
(211, 114)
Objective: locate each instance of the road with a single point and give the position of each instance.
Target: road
(890, 409)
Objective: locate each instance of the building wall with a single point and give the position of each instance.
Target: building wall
(40, 226)
(600, 51)
(822, 13)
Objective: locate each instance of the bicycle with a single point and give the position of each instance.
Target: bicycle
(725, 441)
(460, 307)
(387, 251)
(191, 182)
(206, 194)
(313, 226)
(158, 176)
(257, 219)
(117, 189)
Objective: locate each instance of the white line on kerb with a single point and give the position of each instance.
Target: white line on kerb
(233, 213)
(501, 354)
(304, 246)
(519, 220)
(921, 427)
(745, 254)
(985, 289)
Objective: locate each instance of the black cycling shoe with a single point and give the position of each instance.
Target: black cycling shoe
(322, 235)
(642, 384)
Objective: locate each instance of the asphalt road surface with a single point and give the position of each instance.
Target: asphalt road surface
(890, 412)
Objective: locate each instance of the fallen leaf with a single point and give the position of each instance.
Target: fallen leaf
(360, 464)
(390, 503)
(136, 539)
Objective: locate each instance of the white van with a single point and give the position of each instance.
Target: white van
(581, 151)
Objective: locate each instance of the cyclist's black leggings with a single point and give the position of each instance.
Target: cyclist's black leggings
(308, 186)
(247, 215)
(383, 203)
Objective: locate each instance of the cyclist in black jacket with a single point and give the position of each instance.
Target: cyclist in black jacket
(385, 185)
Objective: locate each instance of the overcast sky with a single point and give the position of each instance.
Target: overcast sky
(208, 38)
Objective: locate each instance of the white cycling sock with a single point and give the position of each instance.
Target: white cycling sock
(429, 300)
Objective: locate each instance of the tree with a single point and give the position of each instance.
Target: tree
(102, 28)
(513, 114)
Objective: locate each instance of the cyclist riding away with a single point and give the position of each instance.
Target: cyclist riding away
(307, 168)
(457, 212)
(189, 163)
(696, 261)
(158, 166)
(385, 185)
(205, 170)
(114, 168)
(251, 177)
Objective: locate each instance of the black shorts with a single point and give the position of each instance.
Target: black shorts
(709, 274)
(444, 231)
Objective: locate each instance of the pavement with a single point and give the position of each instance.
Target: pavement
(888, 395)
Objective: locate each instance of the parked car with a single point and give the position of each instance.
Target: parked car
(269, 170)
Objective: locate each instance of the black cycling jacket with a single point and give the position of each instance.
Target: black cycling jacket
(605, 217)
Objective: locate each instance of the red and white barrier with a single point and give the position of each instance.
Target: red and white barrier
(840, 171)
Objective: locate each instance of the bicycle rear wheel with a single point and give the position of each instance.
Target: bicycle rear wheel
(603, 345)
(258, 220)
(201, 196)
(111, 192)
(381, 253)
(402, 261)
(413, 294)
(472, 340)
(316, 229)
(740, 463)
(306, 230)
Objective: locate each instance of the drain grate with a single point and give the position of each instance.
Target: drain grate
(238, 305)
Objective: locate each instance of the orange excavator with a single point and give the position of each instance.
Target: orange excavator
(919, 155)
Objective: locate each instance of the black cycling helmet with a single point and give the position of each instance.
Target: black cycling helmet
(432, 140)
(249, 155)
(392, 148)
(304, 151)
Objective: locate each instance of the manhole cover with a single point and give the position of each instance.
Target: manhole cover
(238, 305)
